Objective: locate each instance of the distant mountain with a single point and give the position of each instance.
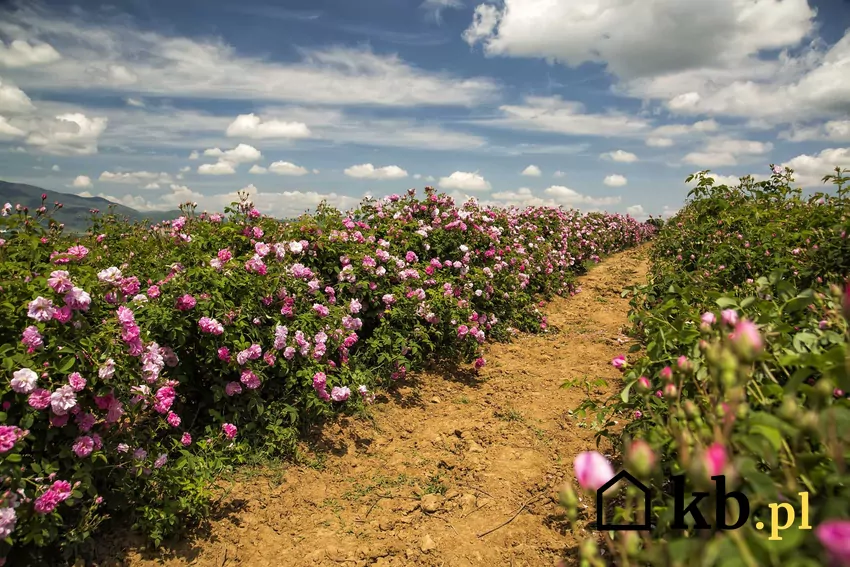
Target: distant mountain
(75, 209)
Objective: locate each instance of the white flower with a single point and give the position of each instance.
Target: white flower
(63, 400)
(40, 309)
(24, 381)
(295, 247)
(110, 275)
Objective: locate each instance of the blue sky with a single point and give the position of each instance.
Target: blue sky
(595, 104)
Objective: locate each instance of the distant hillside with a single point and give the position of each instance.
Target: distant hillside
(75, 209)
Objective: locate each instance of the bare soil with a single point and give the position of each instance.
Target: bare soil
(443, 459)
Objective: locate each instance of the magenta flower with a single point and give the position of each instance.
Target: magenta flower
(592, 470)
(229, 430)
(173, 419)
(83, 446)
(233, 388)
(251, 381)
(186, 302)
(715, 459)
(619, 362)
(186, 440)
(9, 435)
(834, 535)
(39, 399)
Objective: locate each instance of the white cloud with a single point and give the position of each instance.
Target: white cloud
(639, 39)
(636, 211)
(286, 168)
(152, 185)
(137, 102)
(194, 155)
(258, 169)
(614, 180)
(726, 151)
(253, 127)
(218, 168)
(810, 169)
(68, 134)
(833, 131)
(14, 101)
(369, 171)
(55, 168)
(243, 153)
(654, 142)
(185, 169)
(725, 57)
(172, 65)
(532, 171)
(465, 181)
(435, 7)
(8, 131)
(559, 173)
(20, 53)
(552, 114)
(82, 181)
(567, 196)
(620, 156)
(669, 211)
(134, 177)
(417, 176)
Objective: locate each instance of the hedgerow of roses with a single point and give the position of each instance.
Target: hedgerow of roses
(137, 357)
(746, 373)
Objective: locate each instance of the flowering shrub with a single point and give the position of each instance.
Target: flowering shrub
(746, 374)
(142, 360)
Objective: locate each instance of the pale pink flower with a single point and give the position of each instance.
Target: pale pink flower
(24, 381)
(592, 470)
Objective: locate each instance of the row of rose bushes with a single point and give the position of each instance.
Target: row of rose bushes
(141, 361)
(746, 374)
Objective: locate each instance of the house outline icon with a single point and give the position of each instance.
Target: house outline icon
(600, 509)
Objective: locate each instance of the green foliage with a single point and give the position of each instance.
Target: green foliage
(140, 363)
(773, 408)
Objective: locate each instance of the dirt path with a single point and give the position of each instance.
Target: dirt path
(445, 459)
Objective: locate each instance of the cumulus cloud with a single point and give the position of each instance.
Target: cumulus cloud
(567, 196)
(810, 169)
(218, 168)
(138, 103)
(655, 142)
(726, 151)
(619, 156)
(832, 131)
(258, 170)
(558, 173)
(20, 53)
(614, 180)
(286, 168)
(369, 171)
(243, 153)
(67, 134)
(636, 211)
(253, 127)
(465, 181)
(9, 131)
(13, 100)
(532, 171)
(82, 181)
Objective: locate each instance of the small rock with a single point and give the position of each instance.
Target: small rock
(386, 525)
(475, 447)
(467, 501)
(427, 544)
(435, 400)
(431, 503)
(451, 494)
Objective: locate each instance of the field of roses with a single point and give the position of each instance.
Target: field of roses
(746, 373)
(141, 362)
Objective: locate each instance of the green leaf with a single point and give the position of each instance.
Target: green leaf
(66, 364)
(726, 302)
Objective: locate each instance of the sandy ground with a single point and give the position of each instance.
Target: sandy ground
(444, 458)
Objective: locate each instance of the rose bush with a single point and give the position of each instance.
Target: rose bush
(141, 361)
(746, 373)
